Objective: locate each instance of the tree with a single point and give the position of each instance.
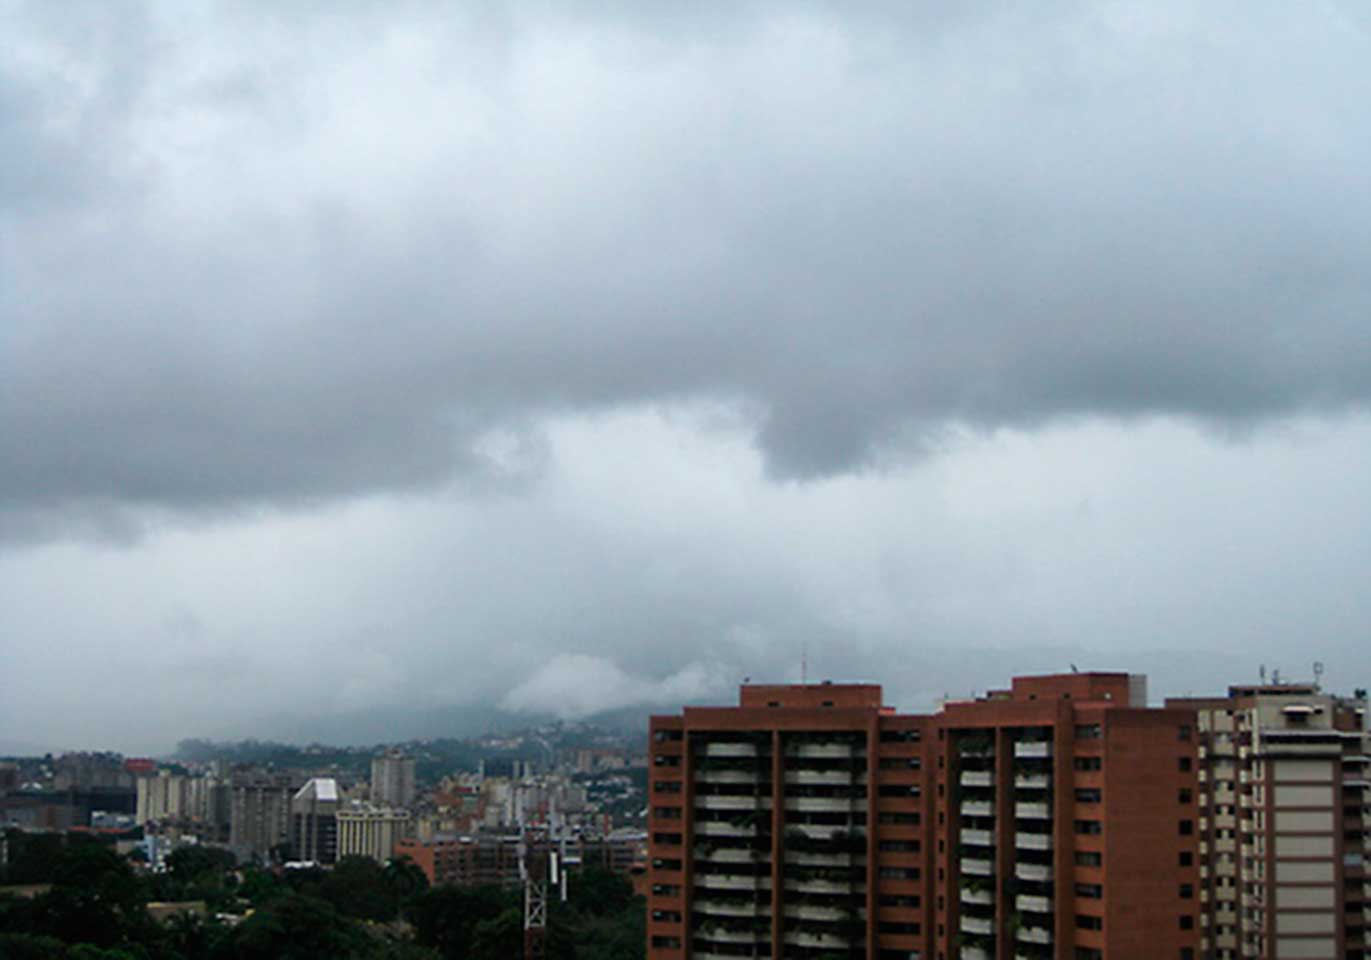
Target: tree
(446, 917)
(356, 886)
(295, 927)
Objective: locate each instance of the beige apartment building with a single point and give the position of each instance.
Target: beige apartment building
(371, 831)
(1284, 804)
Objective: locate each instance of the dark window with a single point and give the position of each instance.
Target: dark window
(1090, 891)
(1184, 796)
(1087, 922)
(1086, 764)
(1187, 858)
(1187, 827)
(1087, 795)
(1183, 732)
(1090, 827)
(1089, 858)
(1088, 731)
(1187, 922)
(1183, 765)
(1187, 892)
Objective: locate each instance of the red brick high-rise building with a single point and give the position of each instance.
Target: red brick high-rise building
(1055, 819)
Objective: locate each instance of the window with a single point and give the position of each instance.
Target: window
(1183, 765)
(900, 736)
(1086, 764)
(899, 790)
(1184, 796)
(667, 813)
(900, 846)
(1088, 731)
(1088, 795)
(1187, 922)
(667, 943)
(1088, 827)
(898, 873)
(1087, 922)
(670, 839)
(907, 929)
(667, 736)
(1089, 858)
(1090, 891)
(665, 890)
(1183, 732)
(1187, 827)
(1187, 859)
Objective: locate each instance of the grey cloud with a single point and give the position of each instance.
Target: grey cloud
(294, 280)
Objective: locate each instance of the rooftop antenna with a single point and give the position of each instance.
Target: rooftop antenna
(1262, 673)
(804, 663)
(1318, 672)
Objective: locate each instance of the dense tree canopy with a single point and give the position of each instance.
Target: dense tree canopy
(358, 910)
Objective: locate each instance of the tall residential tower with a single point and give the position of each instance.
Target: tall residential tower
(1055, 819)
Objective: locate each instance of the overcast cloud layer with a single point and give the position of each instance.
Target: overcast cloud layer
(589, 354)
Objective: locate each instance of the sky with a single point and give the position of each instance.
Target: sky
(375, 360)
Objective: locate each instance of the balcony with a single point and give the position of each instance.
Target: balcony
(1032, 781)
(1033, 811)
(730, 908)
(824, 751)
(726, 776)
(979, 925)
(977, 867)
(722, 828)
(978, 808)
(1034, 935)
(975, 953)
(727, 855)
(977, 778)
(732, 803)
(1032, 903)
(810, 911)
(804, 938)
(823, 804)
(1033, 749)
(1033, 871)
(730, 881)
(981, 896)
(730, 750)
(720, 934)
(819, 886)
(820, 778)
(1033, 841)
(980, 838)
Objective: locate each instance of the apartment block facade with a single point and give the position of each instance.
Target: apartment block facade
(1285, 798)
(1054, 819)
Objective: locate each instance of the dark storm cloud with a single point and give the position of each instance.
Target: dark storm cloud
(283, 258)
